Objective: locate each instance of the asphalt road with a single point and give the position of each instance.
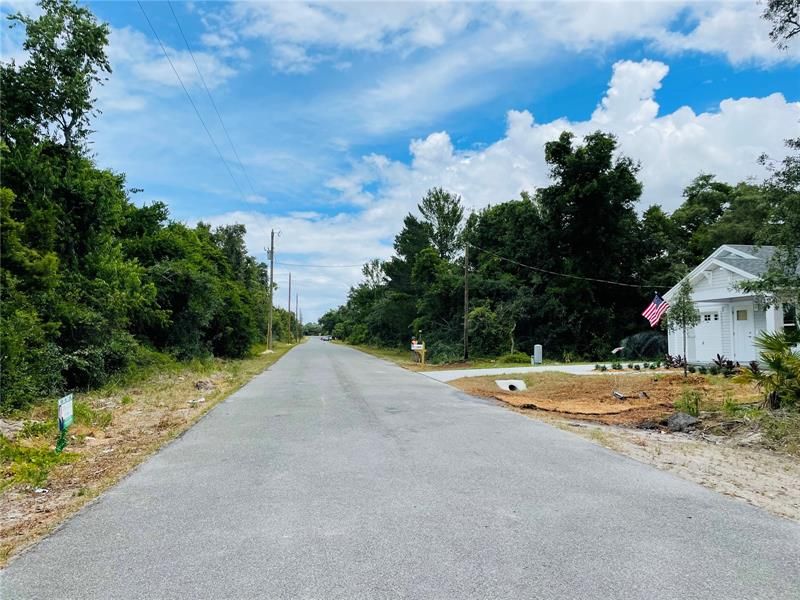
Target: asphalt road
(337, 475)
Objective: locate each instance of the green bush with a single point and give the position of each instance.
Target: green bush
(646, 344)
(515, 358)
(780, 381)
(443, 353)
(688, 402)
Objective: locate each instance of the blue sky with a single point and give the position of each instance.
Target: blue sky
(344, 114)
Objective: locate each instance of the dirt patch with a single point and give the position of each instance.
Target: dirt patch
(647, 397)
(114, 431)
(765, 479)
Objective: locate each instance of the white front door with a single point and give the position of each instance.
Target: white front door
(708, 335)
(743, 331)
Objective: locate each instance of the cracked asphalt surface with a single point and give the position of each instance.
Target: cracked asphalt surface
(338, 475)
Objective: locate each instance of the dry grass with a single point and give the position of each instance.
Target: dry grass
(650, 397)
(114, 431)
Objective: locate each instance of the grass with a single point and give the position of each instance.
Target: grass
(26, 465)
(115, 428)
(403, 357)
(689, 402)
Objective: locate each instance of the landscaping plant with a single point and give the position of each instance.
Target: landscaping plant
(780, 380)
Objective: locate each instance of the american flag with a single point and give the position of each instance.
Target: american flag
(656, 310)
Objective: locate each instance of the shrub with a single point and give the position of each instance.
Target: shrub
(630, 365)
(692, 369)
(729, 406)
(441, 352)
(603, 368)
(781, 381)
(616, 366)
(644, 344)
(515, 358)
(702, 370)
(637, 367)
(713, 370)
(689, 402)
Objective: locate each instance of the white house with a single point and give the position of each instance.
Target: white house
(730, 319)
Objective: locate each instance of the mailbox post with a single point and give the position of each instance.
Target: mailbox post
(419, 349)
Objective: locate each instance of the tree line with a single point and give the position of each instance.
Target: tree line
(570, 265)
(93, 284)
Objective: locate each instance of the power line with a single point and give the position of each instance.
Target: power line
(197, 112)
(319, 266)
(541, 270)
(211, 98)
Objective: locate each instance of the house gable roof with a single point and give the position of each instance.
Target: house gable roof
(749, 262)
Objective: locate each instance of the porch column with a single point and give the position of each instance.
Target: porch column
(775, 319)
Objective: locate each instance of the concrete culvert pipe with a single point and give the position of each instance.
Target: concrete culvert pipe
(511, 385)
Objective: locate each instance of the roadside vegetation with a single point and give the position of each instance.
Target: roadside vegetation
(116, 427)
(148, 320)
(569, 266)
(93, 284)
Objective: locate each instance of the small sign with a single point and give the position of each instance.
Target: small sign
(418, 346)
(64, 412)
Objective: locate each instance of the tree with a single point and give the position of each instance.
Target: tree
(784, 16)
(780, 284)
(682, 315)
(67, 56)
(590, 228)
(444, 213)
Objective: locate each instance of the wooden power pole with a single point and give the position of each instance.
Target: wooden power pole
(271, 284)
(290, 307)
(297, 314)
(466, 301)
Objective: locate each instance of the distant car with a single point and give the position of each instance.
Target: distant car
(326, 338)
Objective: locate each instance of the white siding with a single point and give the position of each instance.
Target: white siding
(727, 341)
(721, 278)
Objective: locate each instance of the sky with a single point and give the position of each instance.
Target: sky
(330, 121)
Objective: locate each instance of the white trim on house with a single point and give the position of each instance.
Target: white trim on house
(731, 318)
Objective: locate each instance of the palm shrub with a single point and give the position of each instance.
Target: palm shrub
(780, 379)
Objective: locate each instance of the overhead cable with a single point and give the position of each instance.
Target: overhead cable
(194, 106)
(211, 98)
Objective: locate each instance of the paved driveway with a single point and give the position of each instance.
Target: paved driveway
(337, 475)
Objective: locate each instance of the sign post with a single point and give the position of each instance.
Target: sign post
(418, 349)
(65, 419)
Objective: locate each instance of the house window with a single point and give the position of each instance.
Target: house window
(716, 316)
(789, 317)
(706, 318)
(741, 315)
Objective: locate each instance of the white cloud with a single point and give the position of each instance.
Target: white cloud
(302, 34)
(673, 148)
(131, 49)
(256, 199)
(733, 30)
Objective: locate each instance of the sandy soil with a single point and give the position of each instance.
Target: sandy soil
(733, 464)
(648, 397)
(760, 477)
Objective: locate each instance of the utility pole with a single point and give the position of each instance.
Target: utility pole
(466, 300)
(297, 314)
(290, 306)
(271, 284)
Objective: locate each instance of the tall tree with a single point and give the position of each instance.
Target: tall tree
(67, 56)
(781, 283)
(444, 213)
